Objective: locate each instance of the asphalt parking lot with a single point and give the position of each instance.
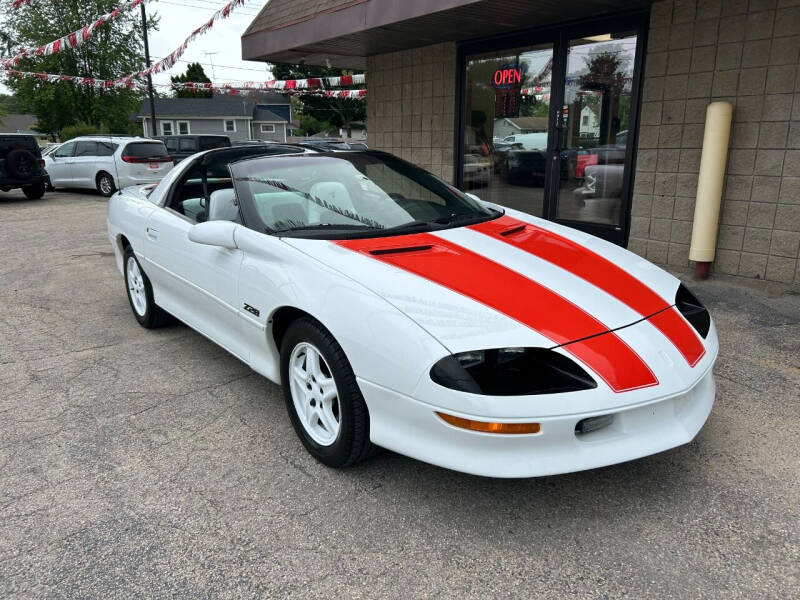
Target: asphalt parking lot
(139, 463)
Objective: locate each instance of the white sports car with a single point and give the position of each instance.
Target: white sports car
(400, 312)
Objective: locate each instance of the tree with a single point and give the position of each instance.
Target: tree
(329, 112)
(194, 73)
(12, 104)
(115, 50)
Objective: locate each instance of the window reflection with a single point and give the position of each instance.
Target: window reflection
(594, 128)
(507, 116)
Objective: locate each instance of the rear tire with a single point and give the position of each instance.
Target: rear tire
(140, 294)
(334, 424)
(105, 184)
(33, 191)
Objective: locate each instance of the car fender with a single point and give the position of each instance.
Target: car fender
(382, 344)
(127, 215)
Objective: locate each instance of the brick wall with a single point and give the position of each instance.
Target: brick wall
(411, 104)
(746, 53)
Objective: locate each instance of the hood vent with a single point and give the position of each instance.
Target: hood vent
(400, 250)
(513, 230)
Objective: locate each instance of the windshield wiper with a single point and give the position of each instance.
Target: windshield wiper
(428, 224)
(318, 226)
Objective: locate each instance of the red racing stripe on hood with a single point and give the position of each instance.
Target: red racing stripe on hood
(516, 296)
(600, 272)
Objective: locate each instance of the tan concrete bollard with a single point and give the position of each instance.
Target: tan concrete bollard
(709, 186)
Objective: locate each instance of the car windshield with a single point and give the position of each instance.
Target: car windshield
(349, 194)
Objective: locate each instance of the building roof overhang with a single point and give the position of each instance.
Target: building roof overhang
(343, 33)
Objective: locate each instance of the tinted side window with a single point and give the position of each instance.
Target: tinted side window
(188, 145)
(171, 144)
(18, 141)
(207, 143)
(105, 148)
(86, 149)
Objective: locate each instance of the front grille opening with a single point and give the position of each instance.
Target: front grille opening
(591, 424)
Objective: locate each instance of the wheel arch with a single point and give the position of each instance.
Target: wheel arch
(103, 171)
(281, 319)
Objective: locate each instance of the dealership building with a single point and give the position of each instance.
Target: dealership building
(589, 113)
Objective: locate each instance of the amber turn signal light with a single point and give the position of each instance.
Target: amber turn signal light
(508, 428)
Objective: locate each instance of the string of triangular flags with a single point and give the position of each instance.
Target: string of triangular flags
(122, 82)
(230, 89)
(72, 40)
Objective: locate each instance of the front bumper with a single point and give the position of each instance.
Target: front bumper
(411, 427)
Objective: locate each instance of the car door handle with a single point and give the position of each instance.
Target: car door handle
(151, 233)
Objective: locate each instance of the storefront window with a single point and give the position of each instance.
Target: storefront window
(594, 133)
(507, 117)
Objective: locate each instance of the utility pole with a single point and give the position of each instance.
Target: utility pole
(149, 77)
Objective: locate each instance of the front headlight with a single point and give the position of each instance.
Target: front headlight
(693, 310)
(511, 372)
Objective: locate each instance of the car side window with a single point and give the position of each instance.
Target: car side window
(86, 149)
(171, 143)
(188, 145)
(65, 150)
(106, 148)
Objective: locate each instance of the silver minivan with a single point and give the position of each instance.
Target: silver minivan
(107, 163)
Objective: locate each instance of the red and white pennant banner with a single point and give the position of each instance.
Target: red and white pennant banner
(163, 65)
(280, 84)
(72, 40)
(168, 62)
(87, 81)
(130, 83)
(241, 91)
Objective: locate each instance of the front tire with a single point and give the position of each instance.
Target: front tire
(322, 396)
(140, 294)
(33, 191)
(105, 184)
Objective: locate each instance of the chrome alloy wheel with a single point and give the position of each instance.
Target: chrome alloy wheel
(136, 287)
(106, 187)
(314, 393)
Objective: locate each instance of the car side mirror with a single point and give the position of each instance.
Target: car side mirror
(214, 233)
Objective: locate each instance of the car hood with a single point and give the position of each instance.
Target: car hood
(512, 281)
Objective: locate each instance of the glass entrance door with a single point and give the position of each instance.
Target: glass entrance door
(548, 128)
(590, 187)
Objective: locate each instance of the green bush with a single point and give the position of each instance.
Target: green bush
(77, 130)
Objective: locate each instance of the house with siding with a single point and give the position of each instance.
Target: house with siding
(266, 116)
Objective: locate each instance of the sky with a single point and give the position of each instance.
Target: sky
(220, 45)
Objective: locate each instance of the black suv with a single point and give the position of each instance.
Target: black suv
(21, 165)
(183, 146)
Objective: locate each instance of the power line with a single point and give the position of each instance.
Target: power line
(264, 71)
(238, 12)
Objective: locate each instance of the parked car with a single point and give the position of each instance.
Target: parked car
(49, 149)
(21, 165)
(400, 312)
(333, 144)
(183, 146)
(108, 163)
(477, 170)
(46, 152)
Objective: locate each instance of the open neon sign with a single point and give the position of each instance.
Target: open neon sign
(508, 76)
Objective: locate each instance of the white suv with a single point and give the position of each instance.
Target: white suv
(107, 163)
